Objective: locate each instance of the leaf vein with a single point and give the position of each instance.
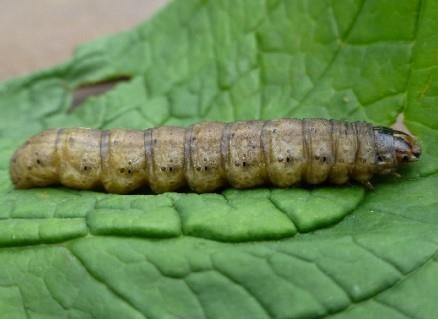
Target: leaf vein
(113, 291)
(263, 307)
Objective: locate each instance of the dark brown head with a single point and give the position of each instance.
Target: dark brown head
(394, 148)
(406, 147)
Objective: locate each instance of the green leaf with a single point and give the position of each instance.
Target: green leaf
(341, 252)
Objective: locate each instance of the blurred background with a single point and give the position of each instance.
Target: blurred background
(39, 34)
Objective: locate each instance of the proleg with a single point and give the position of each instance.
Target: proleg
(211, 155)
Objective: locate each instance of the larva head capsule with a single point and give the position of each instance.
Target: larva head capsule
(394, 148)
(406, 147)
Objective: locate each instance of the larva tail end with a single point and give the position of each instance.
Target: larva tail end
(14, 172)
(18, 170)
(34, 163)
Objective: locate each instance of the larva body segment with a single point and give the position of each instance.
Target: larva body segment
(78, 158)
(285, 155)
(211, 155)
(365, 162)
(243, 154)
(123, 161)
(165, 158)
(344, 141)
(204, 165)
(317, 139)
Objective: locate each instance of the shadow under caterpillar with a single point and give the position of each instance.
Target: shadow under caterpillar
(211, 155)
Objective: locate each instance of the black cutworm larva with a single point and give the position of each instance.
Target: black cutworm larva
(211, 155)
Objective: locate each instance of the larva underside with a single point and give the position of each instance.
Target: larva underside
(206, 156)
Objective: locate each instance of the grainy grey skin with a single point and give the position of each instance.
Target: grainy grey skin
(211, 155)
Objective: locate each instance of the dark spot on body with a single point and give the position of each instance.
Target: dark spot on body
(163, 169)
(198, 168)
(85, 168)
(38, 161)
(170, 169)
(244, 164)
(288, 159)
(324, 159)
(205, 168)
(129, 172)
(122, 170)
(274, 130)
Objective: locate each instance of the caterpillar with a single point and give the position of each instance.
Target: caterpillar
(211, 155)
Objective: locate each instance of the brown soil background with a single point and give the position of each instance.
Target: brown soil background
(37, 34)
